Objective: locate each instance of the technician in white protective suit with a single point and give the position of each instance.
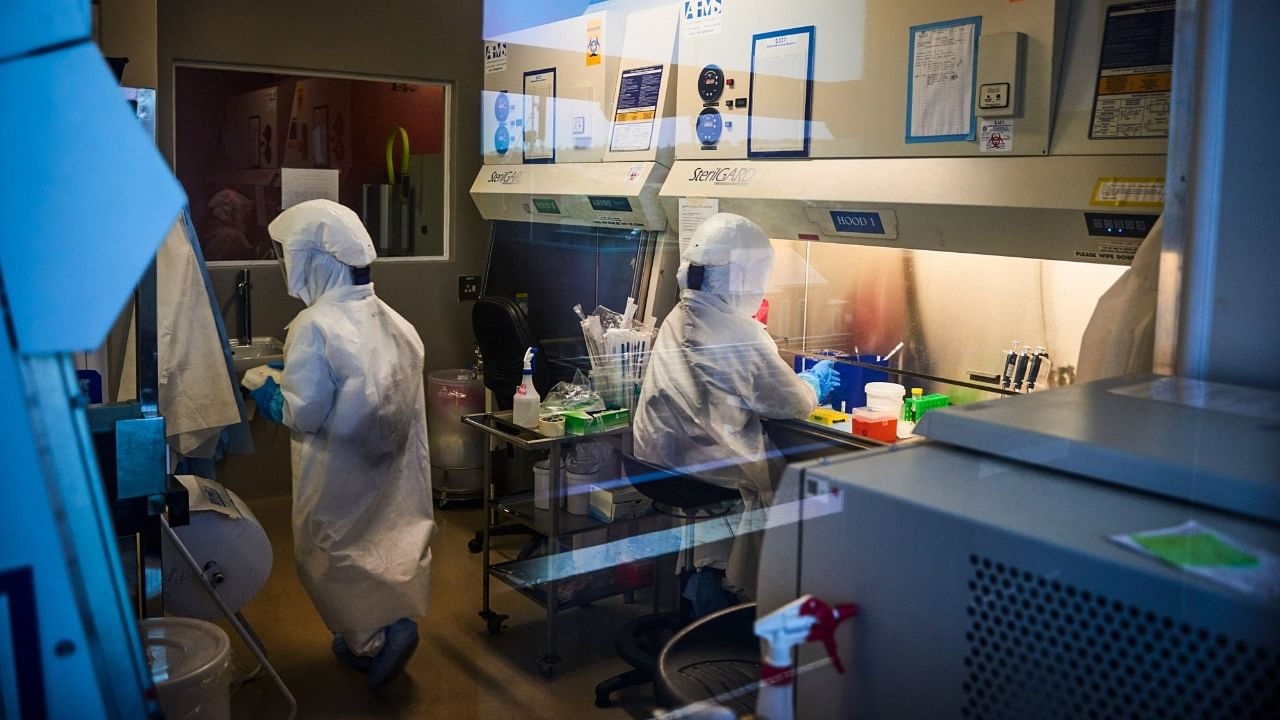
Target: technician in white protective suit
(351, 391)
(715, 371)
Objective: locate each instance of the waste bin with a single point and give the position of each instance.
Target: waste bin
(457, 451)
(190, 663)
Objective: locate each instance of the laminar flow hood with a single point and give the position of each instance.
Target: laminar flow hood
(1082, 208)
(608, 194)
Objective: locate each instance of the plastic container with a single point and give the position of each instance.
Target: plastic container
(542, 485)
(526, 405)
(457, 450)
(875, 424)
(886, 396)
(190, 664)
(579, 478)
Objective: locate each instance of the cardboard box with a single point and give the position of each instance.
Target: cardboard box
(620, 503)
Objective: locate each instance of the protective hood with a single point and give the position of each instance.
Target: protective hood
(737, 258)
(322, 240)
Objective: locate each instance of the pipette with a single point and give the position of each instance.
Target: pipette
(1010, 361)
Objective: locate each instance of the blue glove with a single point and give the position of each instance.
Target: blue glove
(276, 365)
(270, 401)
(823, 378)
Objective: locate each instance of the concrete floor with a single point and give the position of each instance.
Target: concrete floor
(460, 670)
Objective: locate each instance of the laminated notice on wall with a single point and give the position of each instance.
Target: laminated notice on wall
(694, 212)
(1135, 72)
(781, 87)
(636, 109)
(943, 75)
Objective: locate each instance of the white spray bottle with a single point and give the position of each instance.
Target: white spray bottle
(527, 404)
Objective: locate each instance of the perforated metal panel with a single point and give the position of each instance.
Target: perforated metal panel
(1041, 648)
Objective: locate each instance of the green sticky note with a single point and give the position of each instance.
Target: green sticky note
(1199, 549)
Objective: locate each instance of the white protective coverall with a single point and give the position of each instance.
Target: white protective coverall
(1121, 334)
(715, 372)
(353, 398)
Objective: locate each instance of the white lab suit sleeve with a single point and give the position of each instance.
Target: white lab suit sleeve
(775, 390)
(308, 383)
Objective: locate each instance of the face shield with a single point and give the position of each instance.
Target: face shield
(729, 257)
(320, 241)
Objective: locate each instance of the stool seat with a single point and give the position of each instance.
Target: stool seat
(640, 640)
(672, 488)
(713, 658)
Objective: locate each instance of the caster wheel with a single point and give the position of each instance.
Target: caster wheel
(546, 669)
(475, 545)
(495, 624)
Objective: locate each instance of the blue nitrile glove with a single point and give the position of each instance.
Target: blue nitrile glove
(823, 378)
(276, 365)
(270, 401)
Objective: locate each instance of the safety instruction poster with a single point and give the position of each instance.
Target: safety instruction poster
(1135, 72)
(637, 107)
(942, 80)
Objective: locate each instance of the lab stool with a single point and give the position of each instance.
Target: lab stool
(640, 641)
(716, 658)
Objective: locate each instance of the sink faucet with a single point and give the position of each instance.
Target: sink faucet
(244, 316)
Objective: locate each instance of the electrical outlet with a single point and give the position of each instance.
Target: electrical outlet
(468, 287)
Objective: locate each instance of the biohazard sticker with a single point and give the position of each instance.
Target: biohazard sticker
(995, 136)
(595, 42)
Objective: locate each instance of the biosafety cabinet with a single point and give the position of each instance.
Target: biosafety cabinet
(578, 139)
(546, 89)
(1019, 145)
(586, 89)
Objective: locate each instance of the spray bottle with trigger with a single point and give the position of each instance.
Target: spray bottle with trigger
(527, 404)
(806, 619)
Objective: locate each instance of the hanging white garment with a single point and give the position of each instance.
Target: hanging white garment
(1120, 336)
(196, 395)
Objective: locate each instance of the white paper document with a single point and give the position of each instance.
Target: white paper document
(539, 115)
(299, 185)
(941, 96)
(780, 92)
(694, 212)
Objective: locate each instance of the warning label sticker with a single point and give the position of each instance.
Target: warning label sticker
(1128, 192)
(1135, 72)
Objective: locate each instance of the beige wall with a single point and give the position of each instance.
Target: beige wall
(127, 28)
(417, 39)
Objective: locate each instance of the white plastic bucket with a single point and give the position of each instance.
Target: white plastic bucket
(885, 396)
(190, 664)
(542, 485)
(579, 484)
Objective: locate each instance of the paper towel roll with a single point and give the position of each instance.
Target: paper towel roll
(235, 553)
